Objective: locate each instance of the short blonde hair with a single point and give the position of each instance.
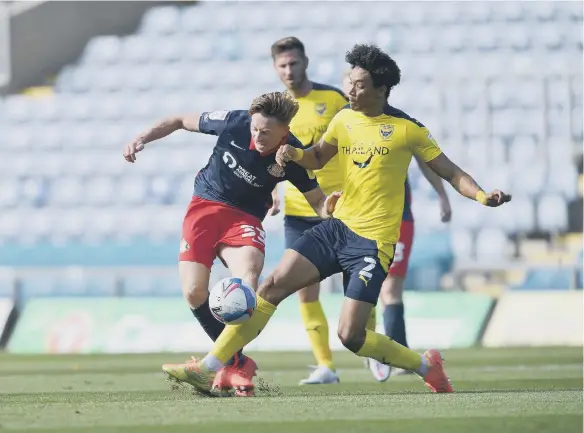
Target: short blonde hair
(280, 105)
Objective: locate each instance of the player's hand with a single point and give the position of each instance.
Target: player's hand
(445, 210)
(285, 153)
(497, 198)
(275, 209)
(131, 149)
(331, 202)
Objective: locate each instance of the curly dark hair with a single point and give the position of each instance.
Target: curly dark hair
(382, 68)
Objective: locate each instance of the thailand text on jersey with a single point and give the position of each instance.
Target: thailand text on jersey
(316, 110)
(236, 173)
(374, 154)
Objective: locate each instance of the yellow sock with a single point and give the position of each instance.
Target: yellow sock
(318, 332)
(387, 351)
(236, 337)
(372, 321)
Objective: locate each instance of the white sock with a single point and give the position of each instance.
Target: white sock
(212, 362)
(423, 370)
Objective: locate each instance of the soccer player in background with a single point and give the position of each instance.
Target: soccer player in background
(232, 195)
(318, 104)
(375, 144)
(393, 286)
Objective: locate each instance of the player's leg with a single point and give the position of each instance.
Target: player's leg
(312, 312)
(245, 262)
(197, 252)
(367, 268)
(392, 288)
(392, 299)
(311, 259)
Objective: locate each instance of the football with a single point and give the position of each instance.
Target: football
(232, 301)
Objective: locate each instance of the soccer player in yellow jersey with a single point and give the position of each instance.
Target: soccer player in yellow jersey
(318, 104)
(375, 144)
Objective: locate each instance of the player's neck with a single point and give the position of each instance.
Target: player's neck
(301, 91)
(372, 111)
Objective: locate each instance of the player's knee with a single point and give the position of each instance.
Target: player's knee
(351, 337)
(195, 294)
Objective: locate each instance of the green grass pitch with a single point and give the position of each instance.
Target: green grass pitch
(496, 390)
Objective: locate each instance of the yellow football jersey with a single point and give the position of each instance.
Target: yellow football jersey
(374, 155)
(314, 115)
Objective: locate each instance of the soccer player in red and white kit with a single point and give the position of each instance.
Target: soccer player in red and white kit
(393, 286)
(232, 195)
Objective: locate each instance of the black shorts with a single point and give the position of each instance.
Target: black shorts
(332, 247)
(295, 226)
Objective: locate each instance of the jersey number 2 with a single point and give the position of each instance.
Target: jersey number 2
(366, 271)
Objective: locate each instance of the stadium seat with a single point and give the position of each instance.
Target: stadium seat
(161, 20)
(66, 191)
(18, 137)
(462, 244)
(552, 213)
(9, 192)
(17, 108)
(523, 214)
(528, 182)
(71, 224)
(546, 279)
(454, 38)
(491, 245)
(135, 50)
(102, 51)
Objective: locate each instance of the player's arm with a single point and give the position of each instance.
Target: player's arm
(323, 206)
(424, 146)
(438, 185)
(275, 209)
(464, 183)
(312, 158)
(211, 123)
(188, 122)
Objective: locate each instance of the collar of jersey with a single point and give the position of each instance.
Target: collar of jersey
(252, 146)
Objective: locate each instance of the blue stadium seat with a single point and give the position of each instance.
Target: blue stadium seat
(546, 279)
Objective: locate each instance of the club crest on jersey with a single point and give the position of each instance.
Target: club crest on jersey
(320, 108)
(276, 171)
(386, 131)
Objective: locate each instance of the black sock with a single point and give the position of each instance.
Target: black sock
(212, 326)
(395, 326)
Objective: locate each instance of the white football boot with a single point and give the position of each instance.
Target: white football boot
(381, 372)
(320, 375)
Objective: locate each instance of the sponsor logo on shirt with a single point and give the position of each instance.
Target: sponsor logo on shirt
(239, 171)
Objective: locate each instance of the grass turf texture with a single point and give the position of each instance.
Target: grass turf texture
(497, 390)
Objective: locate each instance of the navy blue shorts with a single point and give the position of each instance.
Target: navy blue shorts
(332, 247)
(294, 227)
